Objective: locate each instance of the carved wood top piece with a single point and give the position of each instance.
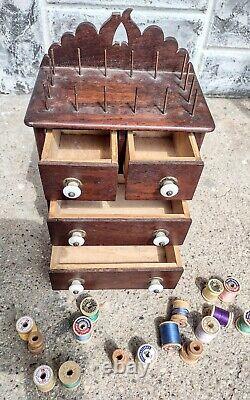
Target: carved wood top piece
(88, 81)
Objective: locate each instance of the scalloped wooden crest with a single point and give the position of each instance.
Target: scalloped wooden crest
(92, 45)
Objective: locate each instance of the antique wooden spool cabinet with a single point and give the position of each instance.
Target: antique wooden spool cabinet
(118, 129)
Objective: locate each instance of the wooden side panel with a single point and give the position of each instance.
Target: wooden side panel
(115, 279)
(118, 231)
(99, 181)
(143, 178)
(199, 138)
(40, 138)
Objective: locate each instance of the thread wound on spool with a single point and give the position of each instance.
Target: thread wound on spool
(90, 308)
(224, 317)
(243, 323)
(70, 374)
(82, 328)
(207, 329)
(180, 312)
(43, 378)
(24, 326)
(212, 290)
(231, 289)
(170, 335)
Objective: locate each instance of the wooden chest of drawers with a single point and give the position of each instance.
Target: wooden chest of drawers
(118, 130)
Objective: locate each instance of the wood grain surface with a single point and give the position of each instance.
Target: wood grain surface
(127, 267)
(52, 103)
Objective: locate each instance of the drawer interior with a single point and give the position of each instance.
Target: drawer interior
(119, 208)
(162, 146)
(80, 146)
(67, 257)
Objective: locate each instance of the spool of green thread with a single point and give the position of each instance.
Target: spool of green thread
(70, 374)
(243, 323)
(90, 308)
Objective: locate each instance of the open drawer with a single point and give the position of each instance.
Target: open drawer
(79, 164)
(161, 165)
(128, 222)
(114, 267)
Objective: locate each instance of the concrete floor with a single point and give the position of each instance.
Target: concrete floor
(216, 245)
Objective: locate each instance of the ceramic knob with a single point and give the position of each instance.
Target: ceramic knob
(77, 238)
(76, 288)
(72, 188)
(161, 239)
(155, 286)
(169, 188)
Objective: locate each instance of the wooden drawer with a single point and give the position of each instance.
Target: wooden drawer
(86, 156)
(125, 222)
(113, 267)
(161, 162)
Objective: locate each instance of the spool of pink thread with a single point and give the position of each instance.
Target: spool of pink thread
(231, 289)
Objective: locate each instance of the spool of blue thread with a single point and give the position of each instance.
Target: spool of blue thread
(170, 335)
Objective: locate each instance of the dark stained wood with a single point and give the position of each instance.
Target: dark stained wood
(93, 45)
(143, 178)
(99, 180)
(118, 279)
(118, 231)
(61, 112)
(121, 93)
(199, 139)
(40, 138)
(114, 268)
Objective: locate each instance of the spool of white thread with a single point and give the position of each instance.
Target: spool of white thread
(207, 329)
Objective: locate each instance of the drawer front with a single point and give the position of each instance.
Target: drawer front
(118, 232)
(161, 165)
(143, 180)
(123, 279)
(99, 182)
(126, 267)
(79, 165)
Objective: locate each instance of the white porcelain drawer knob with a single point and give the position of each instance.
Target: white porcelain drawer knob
(76, 287)
(77, 238)
(161, 239)
(155, 285)
(72, 188)
(169, 187)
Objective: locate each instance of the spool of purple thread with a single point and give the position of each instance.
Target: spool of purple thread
(224, 317)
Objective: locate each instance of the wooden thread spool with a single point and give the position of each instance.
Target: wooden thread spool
(180, 312)
(44, 378)
(24, 326)
(70, 374)
(35, 343)
(90, 308)
(212, 290)
(120, 359)
(231, 290)
(207, 329)
(192, 352)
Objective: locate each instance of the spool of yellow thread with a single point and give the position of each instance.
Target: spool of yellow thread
(212, 290)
